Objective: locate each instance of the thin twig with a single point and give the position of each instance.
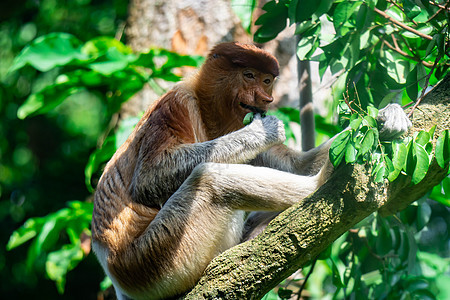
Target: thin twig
(425, 87)
(439, 5)
(401, 52)
(434, 15)
(404, 26)
(403, 10)
(299, 294)
(395, 41)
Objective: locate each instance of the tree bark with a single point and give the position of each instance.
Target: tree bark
(299, 234)
(187, 27)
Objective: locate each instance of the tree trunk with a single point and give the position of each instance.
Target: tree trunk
(187, 27)
(300, 233)
(306, 106)
(194, 27)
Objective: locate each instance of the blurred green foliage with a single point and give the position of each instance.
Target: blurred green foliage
(42, 159)
(108, 69)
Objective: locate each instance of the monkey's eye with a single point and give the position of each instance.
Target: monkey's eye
(267, 81)
(249, 75)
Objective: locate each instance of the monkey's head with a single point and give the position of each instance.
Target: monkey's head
(237, 79)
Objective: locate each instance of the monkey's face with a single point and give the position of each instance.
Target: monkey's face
(255, 94)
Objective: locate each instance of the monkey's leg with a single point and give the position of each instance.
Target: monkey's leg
(203, 218)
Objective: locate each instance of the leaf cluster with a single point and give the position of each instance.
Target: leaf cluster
(57, 243)
(411, 156)
(103, 64)
(384, 50)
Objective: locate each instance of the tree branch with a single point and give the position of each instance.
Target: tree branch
(300, 233)
(404, 26)
(401, 52)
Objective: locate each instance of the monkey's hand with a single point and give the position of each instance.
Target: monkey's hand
(393, 122)
(270, 128)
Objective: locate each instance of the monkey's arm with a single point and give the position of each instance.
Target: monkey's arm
(156, 177)
(393, 123)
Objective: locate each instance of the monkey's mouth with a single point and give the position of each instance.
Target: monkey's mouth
(254, 109)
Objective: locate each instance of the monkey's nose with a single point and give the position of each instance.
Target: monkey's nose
(264, 98)
(268, 99)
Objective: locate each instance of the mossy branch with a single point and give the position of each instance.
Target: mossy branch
(300, 233)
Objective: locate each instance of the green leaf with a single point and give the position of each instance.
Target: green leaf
(338, 147)
(396, 67)
(272, 22)
(324, 127)
(423, 138)
(286, 114)
(422, 165)
(412, 84)
(441, 192)
(336, 276)
(28, 231)
(372, 278)
(105, 284)
(411, 9)
(373, 112)
(48, 235)
(324, 7)
(62, 261)
(400, 153)
(443, 149)
(380, 172)
(284, 293)
(244, 10)
(248, 118)
(370, 121)
(175, 60)
(101, 45)
(113, 61)
(440, 42)
(308, 43)
(434, 261)
(343, 12)
(350, 153)
(355, 122)
(302, 10)
(46, 99)
(50, 51)
(368, 142)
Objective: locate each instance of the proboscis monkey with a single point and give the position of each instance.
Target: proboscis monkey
(174, 195)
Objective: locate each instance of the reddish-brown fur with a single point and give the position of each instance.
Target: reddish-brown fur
(173, 195)
(203, 108)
